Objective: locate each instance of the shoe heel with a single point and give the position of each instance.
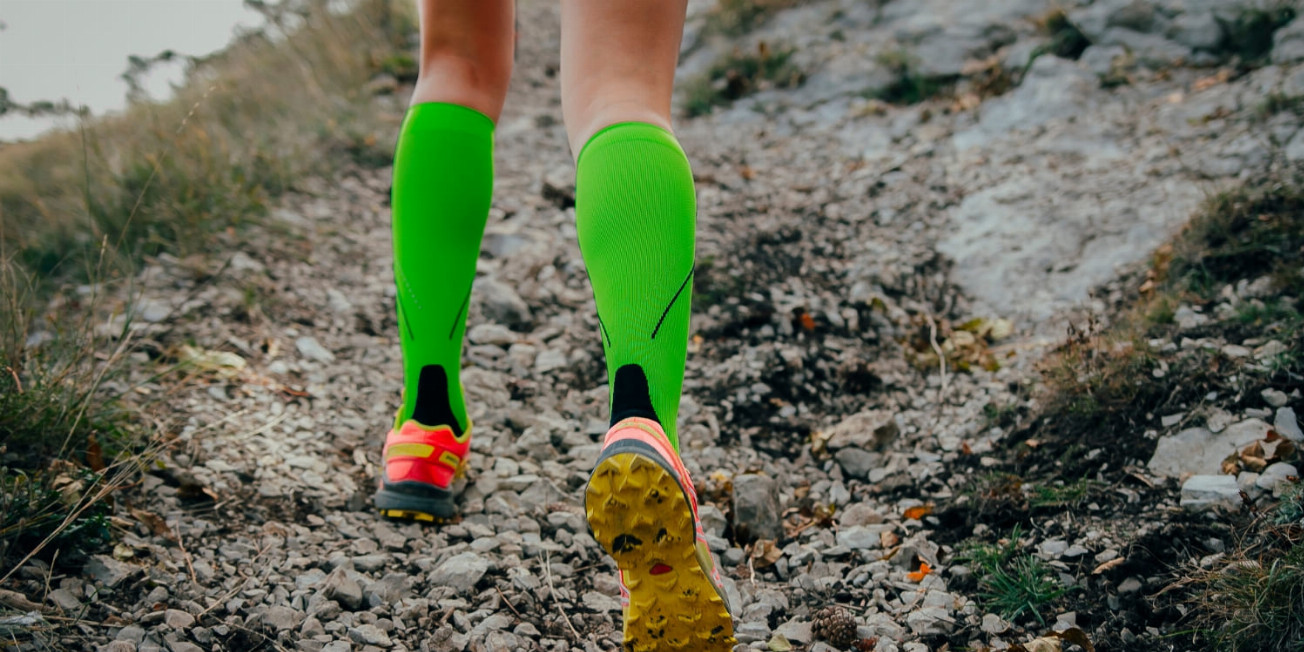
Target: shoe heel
(639, 514)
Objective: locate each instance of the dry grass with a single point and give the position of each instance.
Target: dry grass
(1253, 604)
(1243, 234)
(166, 176)
(1107, 384)
(79, 210)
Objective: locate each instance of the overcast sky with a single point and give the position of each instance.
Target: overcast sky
(76, 49)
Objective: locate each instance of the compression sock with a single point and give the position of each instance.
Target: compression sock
(443, 179)
(635, 211)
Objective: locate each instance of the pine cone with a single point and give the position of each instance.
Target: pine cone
(835, 625)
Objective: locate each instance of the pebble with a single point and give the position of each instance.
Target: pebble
(795, 630)
(600, 602)
(857, 462)
(343, 589)
(1201, 492)
(869, 430)
(65, 600)
(859, 514)
(311, 349)
(501, 303)
(1276, 478)
(177, 619)
(460, 572)
(994, 624)
(861, 537)
(1274, 397)
(370, 635)
(1287, 425)
(756, 507)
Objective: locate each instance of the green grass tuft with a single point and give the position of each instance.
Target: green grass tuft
(909, 86)
(1010, 582)
(1256, 605)
(1060, 495)
(34, 507)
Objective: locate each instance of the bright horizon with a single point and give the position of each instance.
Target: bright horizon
(77, 50)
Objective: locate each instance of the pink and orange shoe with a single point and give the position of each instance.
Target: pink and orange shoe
(642, 507)
(421, 464)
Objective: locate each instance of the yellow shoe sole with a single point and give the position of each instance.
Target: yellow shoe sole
(411, 515)
(640, 515)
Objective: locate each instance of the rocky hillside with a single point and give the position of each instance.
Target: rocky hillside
(902, 205)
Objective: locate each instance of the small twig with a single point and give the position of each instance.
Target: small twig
(443, 620)
(941, 358)
(17, 383)
(552, 590)
(508, 602)
(222, 601)
(186, 553)
(49, 573)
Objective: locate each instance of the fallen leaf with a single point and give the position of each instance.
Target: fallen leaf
(819, 441)
(1077, 637)
(888, 539)
(919, 575)
(1230, 466)
(222, 363)
(778, 643)
(917, 513)
(94, 454)
(1253, 450)
(965, 448)
(1044, 644)
(695, 344)
(765, 553)
(1111, 564)
(154, 522)
(807, 322)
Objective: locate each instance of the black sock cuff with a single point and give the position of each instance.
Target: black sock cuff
(431, 408)
(630, 396)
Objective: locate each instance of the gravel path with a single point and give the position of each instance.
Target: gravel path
(841, 241)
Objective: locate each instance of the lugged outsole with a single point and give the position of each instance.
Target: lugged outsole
(402, 506)
(638, 512)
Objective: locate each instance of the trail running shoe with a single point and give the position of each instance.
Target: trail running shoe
(642, 508)
(421, 464)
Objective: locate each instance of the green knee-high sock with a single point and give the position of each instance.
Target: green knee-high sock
(636, 215)
(443, 179)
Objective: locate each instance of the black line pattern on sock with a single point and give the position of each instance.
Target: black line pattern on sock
(602, 331)
(672, 301)
(458, 319)
(403, 313)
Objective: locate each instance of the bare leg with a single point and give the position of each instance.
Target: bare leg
(618, 63)
(466, 53)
